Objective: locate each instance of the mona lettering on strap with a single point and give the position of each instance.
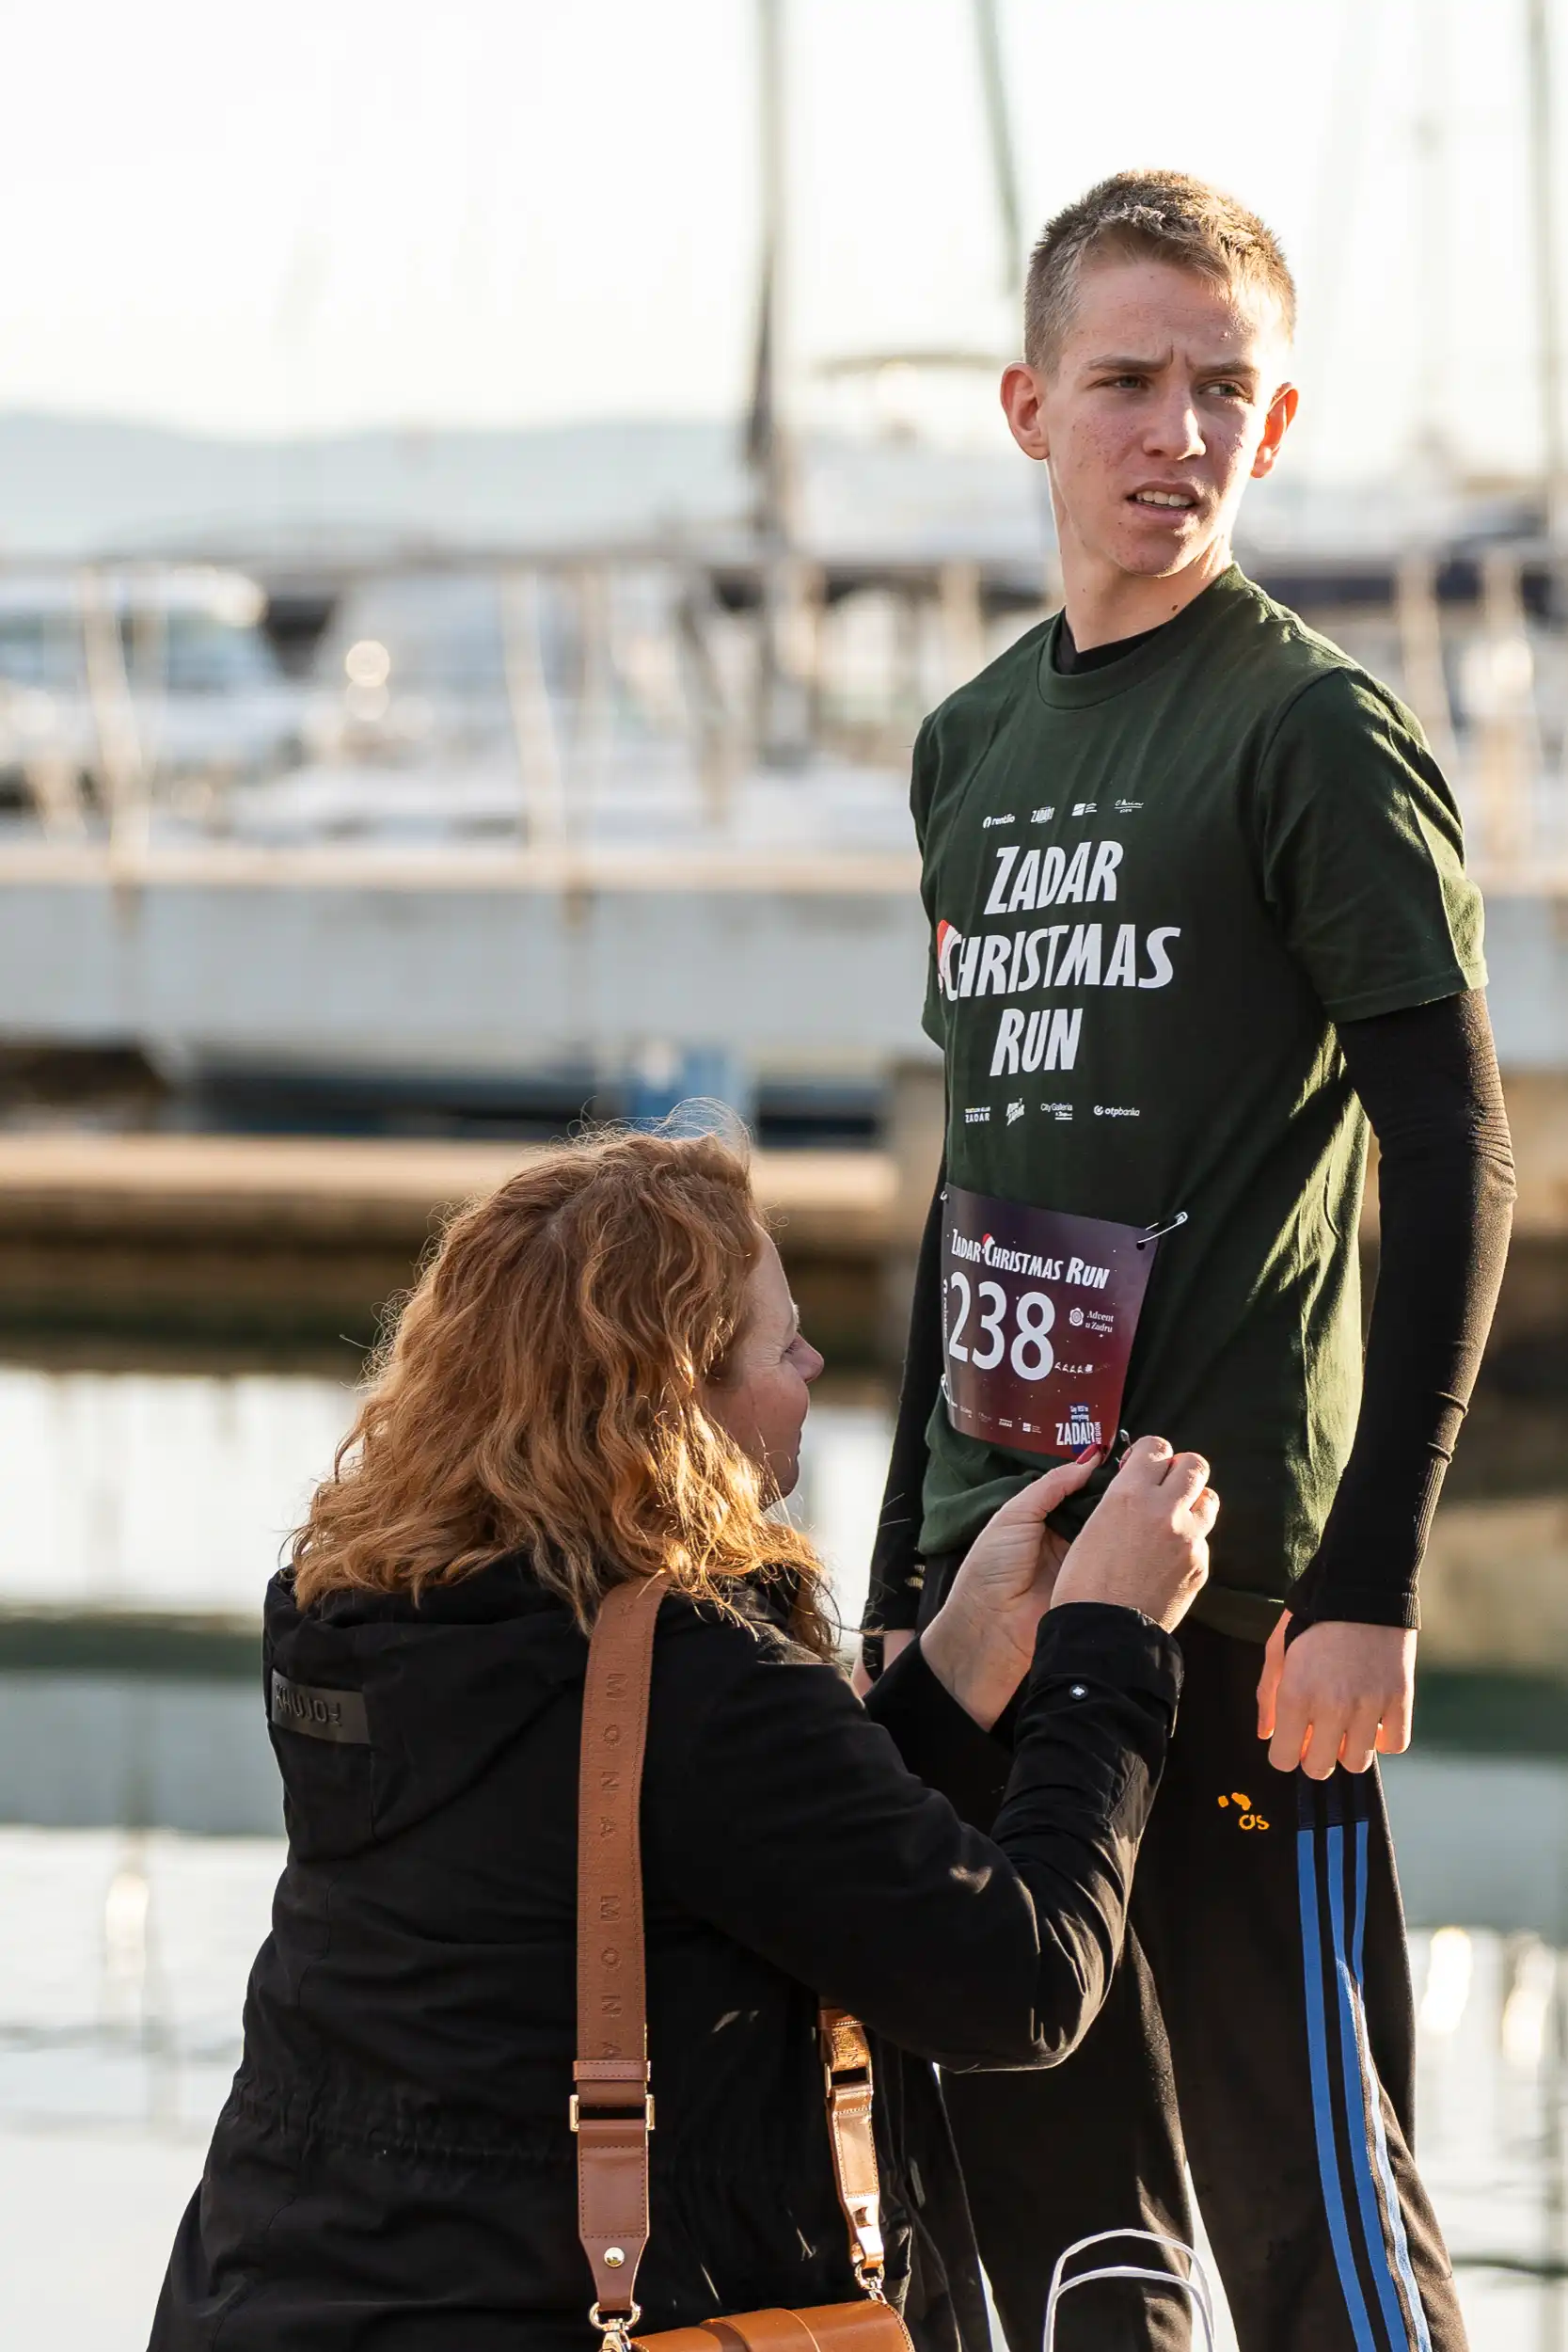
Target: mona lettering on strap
(613, 2110)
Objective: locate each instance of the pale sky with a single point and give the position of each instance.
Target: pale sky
(331, 213)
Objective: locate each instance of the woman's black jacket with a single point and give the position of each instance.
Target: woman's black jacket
(393, 2171)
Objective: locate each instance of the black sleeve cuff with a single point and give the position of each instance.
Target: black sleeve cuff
(940, 1743)
(1091, 1641)
(1085, 1646)
(1082, 1645)
(1322, 1600)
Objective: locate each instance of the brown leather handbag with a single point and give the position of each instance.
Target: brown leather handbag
(612, 2106)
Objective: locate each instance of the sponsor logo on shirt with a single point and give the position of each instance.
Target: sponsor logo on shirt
(1060, 1112)
(1084, 808)
(987, 821)
(977, 1115)
(1117, 1110)
(1015, 1112)
(1042, 815)
(1126, 808)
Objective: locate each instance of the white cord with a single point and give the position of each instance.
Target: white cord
(1195, 2284)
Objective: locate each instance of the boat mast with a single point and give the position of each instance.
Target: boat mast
(781, 701)
(1432, 449)
(1004, 159)
(1548, 308)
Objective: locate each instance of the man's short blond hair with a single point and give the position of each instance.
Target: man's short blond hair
(1154, 216)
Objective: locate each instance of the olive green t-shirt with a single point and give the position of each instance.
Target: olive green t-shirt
(1153, 889)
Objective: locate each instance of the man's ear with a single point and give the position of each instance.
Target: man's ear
(1023, 407)
(1282, 409)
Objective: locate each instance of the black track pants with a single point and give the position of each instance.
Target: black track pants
(1260, 2027)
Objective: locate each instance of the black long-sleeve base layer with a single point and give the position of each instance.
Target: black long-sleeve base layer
(1428, 1080)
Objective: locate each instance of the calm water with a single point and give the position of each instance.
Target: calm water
(169, 1488)
(174, 1489)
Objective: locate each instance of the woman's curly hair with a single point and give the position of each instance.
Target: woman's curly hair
(542, 1391)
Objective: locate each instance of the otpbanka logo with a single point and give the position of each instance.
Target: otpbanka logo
(1079, 1429)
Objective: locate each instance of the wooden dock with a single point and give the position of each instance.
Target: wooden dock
(264, 1235)
(277, 1236)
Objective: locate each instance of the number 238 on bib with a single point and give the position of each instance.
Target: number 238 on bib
(1038, 1312)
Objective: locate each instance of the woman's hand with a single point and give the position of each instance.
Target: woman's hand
(1147, 1545)
(982, 1639)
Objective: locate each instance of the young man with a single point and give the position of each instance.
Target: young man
(1198, 913)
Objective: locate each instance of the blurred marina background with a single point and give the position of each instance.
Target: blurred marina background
(486, 498)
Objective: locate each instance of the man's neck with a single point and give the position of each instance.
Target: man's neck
(1104, 603)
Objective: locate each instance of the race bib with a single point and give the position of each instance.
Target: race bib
(1039, 1310)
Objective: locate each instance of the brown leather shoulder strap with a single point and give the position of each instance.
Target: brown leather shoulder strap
(613, 2112)
(612, 2107)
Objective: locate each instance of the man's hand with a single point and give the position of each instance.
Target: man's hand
(1340, 1694)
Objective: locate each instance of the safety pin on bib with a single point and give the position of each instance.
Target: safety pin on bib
(1157, 1233)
